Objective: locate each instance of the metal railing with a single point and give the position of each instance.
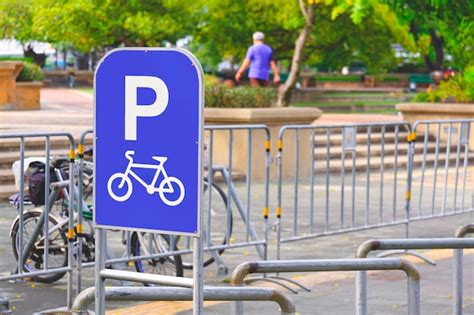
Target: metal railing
(387, 244)
(230, 156)
(325, 265)
(346, 169)
(43, 222)
(441, 187)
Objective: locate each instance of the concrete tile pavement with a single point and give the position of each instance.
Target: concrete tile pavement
(61, 110)
(71, 110)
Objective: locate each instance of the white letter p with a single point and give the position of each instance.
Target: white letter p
(133, 110)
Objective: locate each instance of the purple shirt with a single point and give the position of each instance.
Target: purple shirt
(260, 56)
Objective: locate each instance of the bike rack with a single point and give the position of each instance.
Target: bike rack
(413, 275)
(416, 243)
(86, 297)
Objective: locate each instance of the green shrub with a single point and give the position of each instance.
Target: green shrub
(426, 97)
(210, 80)
(30, 72)
(459, 89)
(240, 97)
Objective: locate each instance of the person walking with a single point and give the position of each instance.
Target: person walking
(260, 59)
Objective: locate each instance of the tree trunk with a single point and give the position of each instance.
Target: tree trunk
(284, 92)
(437, 43)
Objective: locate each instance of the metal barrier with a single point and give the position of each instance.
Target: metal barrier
(448, 189)
(223, 166)
(459, 269)
(242, 270)
(43, 221)
(418, 243)
(86, 297)
(373, 183)
(433, 175)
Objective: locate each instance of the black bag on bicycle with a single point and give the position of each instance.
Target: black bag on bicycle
(37, 181)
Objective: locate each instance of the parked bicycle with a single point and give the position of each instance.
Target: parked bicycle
(57, 243)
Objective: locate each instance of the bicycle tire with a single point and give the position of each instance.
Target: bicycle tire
(36, 255)
(175, 260)
(221, 194)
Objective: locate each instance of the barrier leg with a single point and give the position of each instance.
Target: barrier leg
(361, 292)
(458, 281)
(413, 296)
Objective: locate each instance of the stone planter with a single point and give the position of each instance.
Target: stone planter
(439, 111)
(28, 95)
(274, 118)
(9, 70)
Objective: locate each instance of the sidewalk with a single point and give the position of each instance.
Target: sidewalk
(71, 110)
(61, 110)
(335, 292)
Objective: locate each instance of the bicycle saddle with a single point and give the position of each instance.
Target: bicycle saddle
(161, 159)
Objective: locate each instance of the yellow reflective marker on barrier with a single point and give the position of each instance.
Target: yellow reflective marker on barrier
(280, 145)
(411, 136)
(407, 195)
(79, 228)
(70, 233)
(72, 154)
(80, 150)
(278, 212)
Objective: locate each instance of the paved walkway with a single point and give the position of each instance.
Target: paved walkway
(69, 110)
(61, 110)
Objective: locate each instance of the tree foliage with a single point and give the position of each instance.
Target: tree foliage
(344, 30)
(440, 26)
(89, 24)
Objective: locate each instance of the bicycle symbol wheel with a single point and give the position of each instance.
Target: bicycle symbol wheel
(119, 187)
(167, 191)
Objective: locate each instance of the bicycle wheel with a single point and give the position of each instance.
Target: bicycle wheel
(119, 192)
(57, 250)
(171, 191)
(153, 243)
(221, 224)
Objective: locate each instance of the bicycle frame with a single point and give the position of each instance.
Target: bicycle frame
(151, 188)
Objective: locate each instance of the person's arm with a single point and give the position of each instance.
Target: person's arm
(242, 69)
(276, 75)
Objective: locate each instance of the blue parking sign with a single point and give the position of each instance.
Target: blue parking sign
(148, 140)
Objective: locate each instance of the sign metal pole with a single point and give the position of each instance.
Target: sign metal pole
(198, 294)
(100, 251)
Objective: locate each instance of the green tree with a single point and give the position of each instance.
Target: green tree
(440, 26)
(15, 20)
(359, 11)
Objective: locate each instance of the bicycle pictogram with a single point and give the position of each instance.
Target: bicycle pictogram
(168, 188)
